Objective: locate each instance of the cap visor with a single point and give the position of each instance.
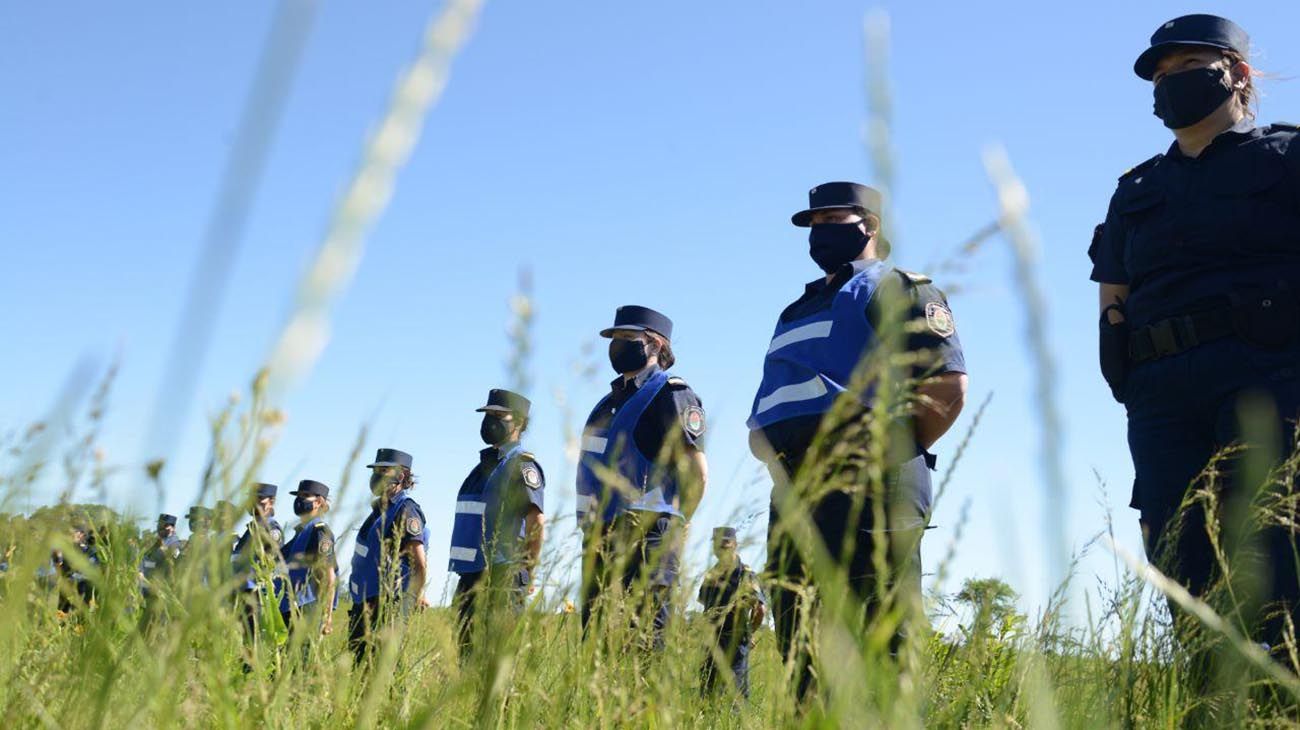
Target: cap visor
(609, 331)
(493, 409)
(1145, 65)
(803, 218)
(383, 463)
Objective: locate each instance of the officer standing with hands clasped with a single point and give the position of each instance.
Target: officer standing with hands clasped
(734, 606)
(309, 558)
(641, 472)
(389, 565)
(810, 418)
(497, 534)
(1198, 266)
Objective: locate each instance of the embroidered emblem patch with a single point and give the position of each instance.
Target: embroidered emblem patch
(277, 535)
(325, 546)
(939, 319)
(693, 418)
(414, 526)
(532, 476)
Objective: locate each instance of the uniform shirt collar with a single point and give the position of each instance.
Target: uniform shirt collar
(619, 384)
(1243, 128)
(843, 274)
(493, 454)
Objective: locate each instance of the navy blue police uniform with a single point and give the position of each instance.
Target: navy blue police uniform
(381, 569)
(308, 556)
(1209, 247)
(729, 594)
(489, 532)
(811, 368)
(71, 581)
(643, 431)
(255, 556)
(157, 565)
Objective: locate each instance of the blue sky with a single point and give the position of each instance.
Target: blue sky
(646, 154)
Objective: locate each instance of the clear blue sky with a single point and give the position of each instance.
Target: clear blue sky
(624, 153)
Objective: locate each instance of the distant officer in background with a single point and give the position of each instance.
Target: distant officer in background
(311, 563)
(197, 550)
(75, 589)
(256, 557)
(642, 471)
(734, 606)
(158, 560)
(497, 534)
(1198, 269)
(809, 421)
(157, 565)
(389, 566)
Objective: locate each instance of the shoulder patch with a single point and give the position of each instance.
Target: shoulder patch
(414, 525)
(939, 319)
(325, 545)
(693, 421)
(532, 475)
(1141, 167)
(914, 277)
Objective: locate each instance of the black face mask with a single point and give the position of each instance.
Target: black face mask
(494, 431)
(301, 506)
(627, 356)
(832, 245)
(1187, 97)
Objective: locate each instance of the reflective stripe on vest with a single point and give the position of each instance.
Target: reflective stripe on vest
(365, 579)
(614, 448)
(475, 519)
(812, 360)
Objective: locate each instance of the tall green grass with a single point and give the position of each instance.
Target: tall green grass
(969, 658)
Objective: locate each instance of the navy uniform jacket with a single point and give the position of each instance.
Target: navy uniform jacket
(675, 410)
(525, 488)
(729, 597)
(1183, 233)
(931, 332)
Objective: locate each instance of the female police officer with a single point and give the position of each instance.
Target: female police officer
(1198, 263)
(309, 556)
(642, 471)
(497, 534)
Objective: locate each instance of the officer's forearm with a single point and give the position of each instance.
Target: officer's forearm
(329, 583)
(696, 478)
(941, 400)
(534, 529)
(419, 569)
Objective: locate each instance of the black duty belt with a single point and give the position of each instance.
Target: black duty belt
(1179, 334)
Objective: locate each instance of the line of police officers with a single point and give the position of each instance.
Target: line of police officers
(643, 472)
(1186, 330)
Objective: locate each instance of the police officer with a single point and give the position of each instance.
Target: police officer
(642, 470)
(157, 564)
(1198, 263)
(162, 553)
(256, 556)
(497, 534)
(309, 558)
(734, 606)
(809, 422)
(389, 566)
(197, 550)
(69, 580)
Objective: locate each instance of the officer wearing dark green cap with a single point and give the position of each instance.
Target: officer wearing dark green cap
(496, 535)
(734, 606)
(1198, 268)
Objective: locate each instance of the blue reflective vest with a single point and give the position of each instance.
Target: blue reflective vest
(302, 592)
(653, 488)
(365, 582)
(811, 361)
(475, 521)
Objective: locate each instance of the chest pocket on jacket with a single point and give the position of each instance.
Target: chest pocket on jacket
(1150, 238)
(1259, 206)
